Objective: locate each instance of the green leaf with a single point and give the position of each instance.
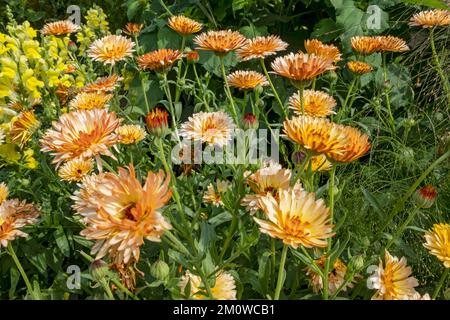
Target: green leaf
(14, 277)
(373, 202)
(326, 30)
(429, 3)
(61, 241)
(132, 9)
(167, 38)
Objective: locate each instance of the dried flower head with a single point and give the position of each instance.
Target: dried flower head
(214, 195)
(336, 276)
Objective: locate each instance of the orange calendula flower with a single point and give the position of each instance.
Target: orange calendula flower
(111, 49)
(159, 60)
(430, 18)
(356, 145)
(59, 28)
(392, 279)
(318, 48)
(75, 170)
(315, 103)
(157, 121)
(220, 42)
(261, 47)
(224, 287)
(297, 218)
(14, 215)
(105, 84)
(359, 67)
(316, 134)
(82, 134)
(214, 128)
(336, 276)
(184, 25)
(90, 100)
(392, 44)
(437, 241)
(120, 213)
(23, 127)
(246, 79)
(365, 44)
(301, 67)
(133, 29)
(130, 133)
(214, 195)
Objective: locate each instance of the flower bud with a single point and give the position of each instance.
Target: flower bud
(250, 121)
(157, 122)
(298, 157)
(424, 197)
(160, 270)
(192, 56)
(72, 46)
(99, 270)
(357, 263)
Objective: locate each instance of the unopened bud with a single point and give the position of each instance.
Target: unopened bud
(192, 56)
(72, 46)
(99, 269)
(157, 122)
(424, 197)
(298, 157)
(160, 270)
(250, 121)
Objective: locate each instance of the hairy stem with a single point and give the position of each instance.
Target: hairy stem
(280, 279)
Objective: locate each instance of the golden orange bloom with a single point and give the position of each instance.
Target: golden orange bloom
(82, 134)
(111, 49)
(90, 100)
(320, 163)
(336, 276)
(316, 134)
(157, 121)
(365, 44)
(192, 56)
(392, 280)
(214, 195)
(105, 84)
(246, 79)
(437, 241)
(392, 44)
(301, 67)
(23, 127)
(315, 103)
(268, 179)
(130, 133)
(430, 18)
(59, 28)
(15, 214)
(75, 170)
(224, 287)
(318, 48)
(356, 145)
(261, 47)
(297, 218)
(221, 42)
(359, 67)
(211, 127)
(3, 192)
(133, 29)
(159, 60)
(184, 25)
(120, 213)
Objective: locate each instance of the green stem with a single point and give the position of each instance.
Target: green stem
(200, 87)
(280, 279)
(402, 228)
(275, 93)
(177, 243)
(147, 106)
(107, 289)
(387, 95)
(30, 289)
(441, 283)
(228, 91)
(330, 242)
(180, 62)
(165, 7)
(231, 231)
(302, 100)
(401, 202)
(171, 107)
(349, 93)
(124, 290)
(439, 67)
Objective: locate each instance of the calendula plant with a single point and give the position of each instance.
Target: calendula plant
(142, 156)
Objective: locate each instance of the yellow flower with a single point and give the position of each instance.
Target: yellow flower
(315, 103)
(437, 241)
(111, 49)
(75, 170)
(320, 163)
(120, 213)
(328, 51)
(261, 47)
(184, 25)
(130, 133)
(81, 134)
(246, 79)
(214, 128)
(23, 127)
(220, 42)
(359, 67)
(90, 100)
(224, 287)
(214, 196)
(297, 218)
(392, 280)
(430, 18)
(3, 192)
